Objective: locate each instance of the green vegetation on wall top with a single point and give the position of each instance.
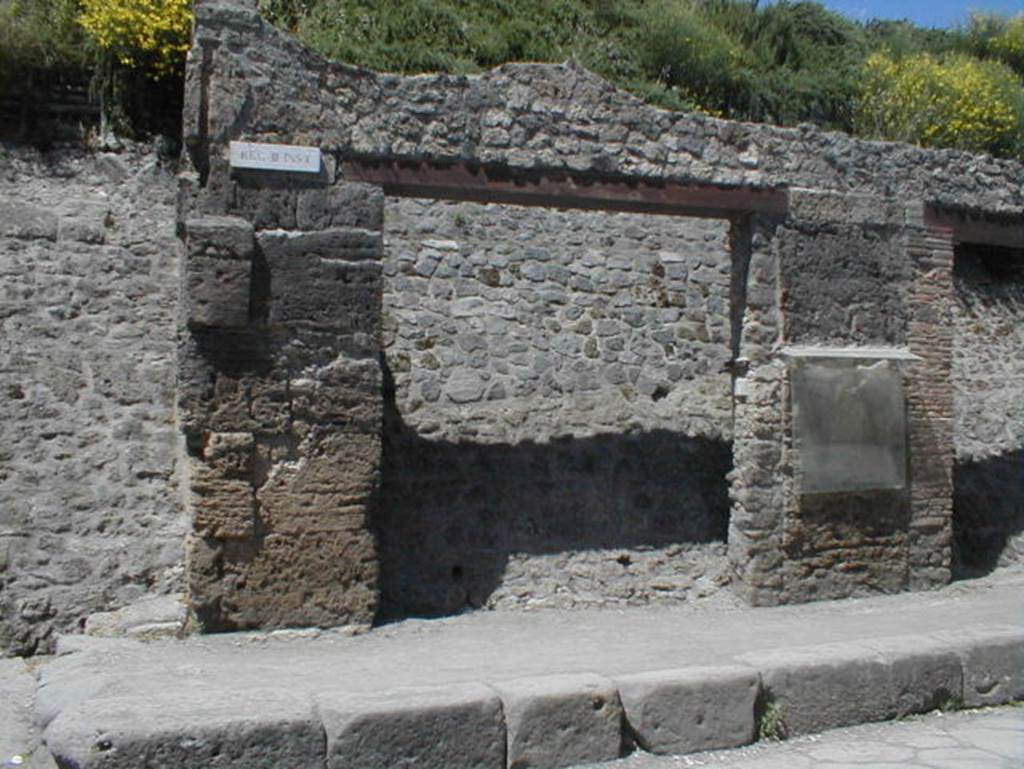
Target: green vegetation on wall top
(785, 63)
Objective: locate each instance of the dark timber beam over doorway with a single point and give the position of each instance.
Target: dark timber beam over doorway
(968, 227)
(461, 181)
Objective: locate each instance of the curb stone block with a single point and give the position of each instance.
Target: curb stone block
(993, 664)
(454, 727)
(924, 673)
(17, 690)
(824, 687)
(691, 709)
(255, 729)
(561, 720)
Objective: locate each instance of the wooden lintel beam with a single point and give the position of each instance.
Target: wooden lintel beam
(558, 189)
(1003, 231)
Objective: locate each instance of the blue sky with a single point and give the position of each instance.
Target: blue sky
(928, 13)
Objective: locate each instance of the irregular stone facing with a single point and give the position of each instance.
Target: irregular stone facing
(988, 432)
(93, 520)
(17, 692)
(559, 721)
(540, 116)
(27, 222)
(84, 221)
(460, 727)
(559, 128)
(560, 406)
(844, 285)
(690, 709)
(505, 323)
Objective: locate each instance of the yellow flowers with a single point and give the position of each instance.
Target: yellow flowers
(141, 33)
(959, 102)
(1009, 44)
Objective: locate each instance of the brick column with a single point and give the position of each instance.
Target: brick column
(930, 408)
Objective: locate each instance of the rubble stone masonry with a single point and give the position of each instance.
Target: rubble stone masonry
(523, 340)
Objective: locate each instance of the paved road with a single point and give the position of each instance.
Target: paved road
(977, 739)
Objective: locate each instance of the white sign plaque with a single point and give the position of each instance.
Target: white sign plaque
(275, 157)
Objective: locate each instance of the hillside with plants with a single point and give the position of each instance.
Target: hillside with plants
(783, 63)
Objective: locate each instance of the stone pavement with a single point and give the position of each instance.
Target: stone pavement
(992, 738)
(546, 688)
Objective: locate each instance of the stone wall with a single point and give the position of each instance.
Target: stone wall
(247, 77)
(280, 403)
(561, 410)
(844, 285)
(508, 323)
(988, 369)
(90, 515)
(870, 280)
(832, 241)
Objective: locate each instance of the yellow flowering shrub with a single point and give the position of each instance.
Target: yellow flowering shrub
(149, 34)
(959, 102)
(1009, 44)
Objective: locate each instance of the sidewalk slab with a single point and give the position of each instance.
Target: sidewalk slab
(520, 690)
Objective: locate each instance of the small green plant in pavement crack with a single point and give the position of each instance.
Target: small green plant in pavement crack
(771, 721)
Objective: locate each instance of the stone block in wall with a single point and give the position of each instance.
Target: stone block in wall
(83, 222)
(332, 463)
(218, 272)
(217, 292)
(347, 243)
(306, 289)
(220, 237)
(309, 578)
(267, 207)
(221, 508)
(226, 384)
(346, 204)
(345, 394)
(230, 454)
(220, 483)
(296, 348)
